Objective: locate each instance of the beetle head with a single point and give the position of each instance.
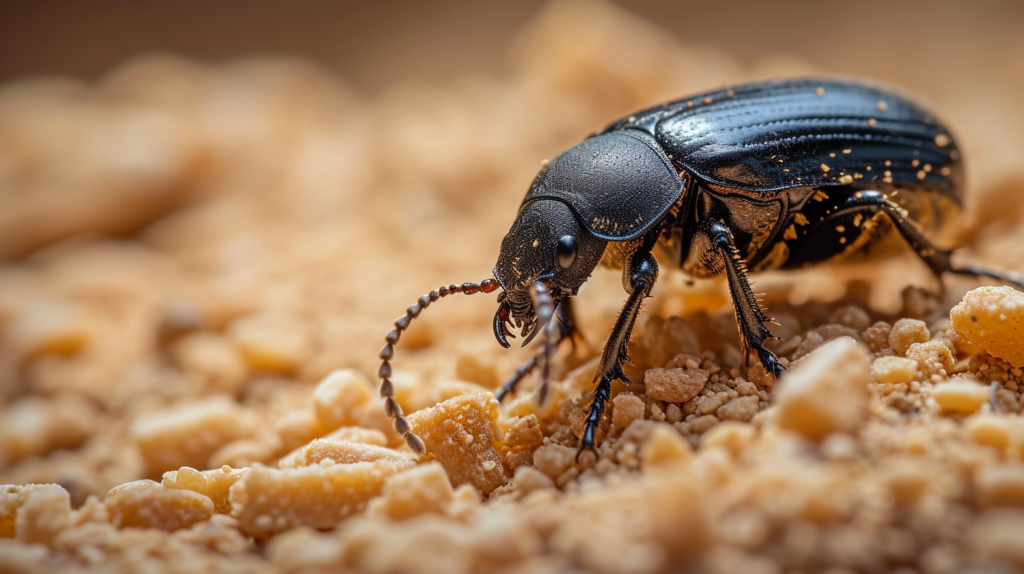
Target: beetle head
(546, 244)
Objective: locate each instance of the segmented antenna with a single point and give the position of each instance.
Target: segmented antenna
(387, 388)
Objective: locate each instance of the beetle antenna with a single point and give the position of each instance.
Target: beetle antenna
(387, 388)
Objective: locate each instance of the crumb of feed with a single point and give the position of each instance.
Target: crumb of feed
(197, 394)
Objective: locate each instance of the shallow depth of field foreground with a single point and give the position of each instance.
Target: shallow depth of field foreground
(200, 263)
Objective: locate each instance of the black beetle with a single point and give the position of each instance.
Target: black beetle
(774, 175)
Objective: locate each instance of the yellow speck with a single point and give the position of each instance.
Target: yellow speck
(841, 229)
(798, 179)
(729, 93)
(833, 154)
(536, 243)
(872, 122)
(824, 168)
(790, 233)
(868, 168)
(707, 99)
(887, 173)
(887, 179)
(781, 161)
(819, 195)
(882, 106)
(846, 179)
(857, 176)
(800, 219)
(857, 219)
(928, 167)
(887, 163)
(915, 163)
(921, 174)
(946, 171)
(847, 150)
(819, 91)
(842, 240)
(786, 170)
(942, 140)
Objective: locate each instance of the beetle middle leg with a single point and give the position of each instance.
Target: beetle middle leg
(639, 276)
(713, 244)
(567, 329)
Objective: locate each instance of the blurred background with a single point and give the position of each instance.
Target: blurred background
(233, 199)
(918, 44)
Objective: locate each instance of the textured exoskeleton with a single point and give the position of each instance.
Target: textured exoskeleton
(775, 175)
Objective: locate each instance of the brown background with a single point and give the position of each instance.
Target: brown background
(922, 45)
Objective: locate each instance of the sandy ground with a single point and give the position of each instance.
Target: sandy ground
(202, 262)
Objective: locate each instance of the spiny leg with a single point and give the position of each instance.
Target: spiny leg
(566, 330)
(642, 272)
(749, 315)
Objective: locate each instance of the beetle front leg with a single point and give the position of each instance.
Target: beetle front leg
(749, 315)
(642, 274)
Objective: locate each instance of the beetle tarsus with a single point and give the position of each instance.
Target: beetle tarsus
(974, 271)
(601, 395)
(770, 362)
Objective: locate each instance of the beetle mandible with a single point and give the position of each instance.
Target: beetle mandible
(774, 175)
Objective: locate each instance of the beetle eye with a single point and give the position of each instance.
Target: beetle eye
(566, 251)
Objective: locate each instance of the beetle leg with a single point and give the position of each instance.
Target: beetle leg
(566, 330)
(938, 260)
(642, 274)
(750, 316)
(820, 241)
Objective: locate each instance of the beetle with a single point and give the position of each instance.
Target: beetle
(774, 175)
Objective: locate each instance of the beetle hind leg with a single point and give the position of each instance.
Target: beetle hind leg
(843, 228)
(975, 271)
(938, 260)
